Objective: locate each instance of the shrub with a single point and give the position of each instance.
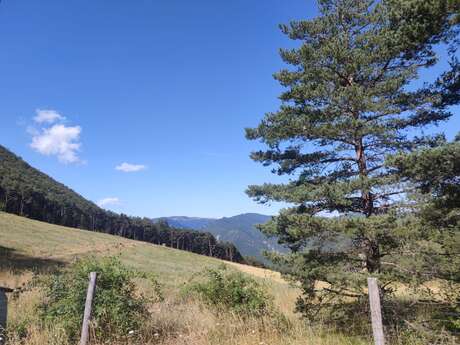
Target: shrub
(117, 307)
(234, 291)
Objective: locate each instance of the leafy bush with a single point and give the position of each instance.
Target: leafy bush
(232, 291)
(117, 307)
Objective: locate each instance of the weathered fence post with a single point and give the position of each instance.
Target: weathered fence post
(3, 313)
(88, 306)
(376, 312)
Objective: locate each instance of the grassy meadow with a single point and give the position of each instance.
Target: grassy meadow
(30, 248)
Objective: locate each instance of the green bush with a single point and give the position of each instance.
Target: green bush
(117, 307)
(233, 291)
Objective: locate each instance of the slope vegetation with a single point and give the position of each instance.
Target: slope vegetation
(240, 230)
(28, 246)
(28, 192)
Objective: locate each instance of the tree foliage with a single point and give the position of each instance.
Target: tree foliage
(232, 291)
(435, 175)
(117, 307)
(435, 202)
(347, 105)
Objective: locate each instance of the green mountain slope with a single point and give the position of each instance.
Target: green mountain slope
(239, 230)
(29, 244)
(28, 192)
(181, 222)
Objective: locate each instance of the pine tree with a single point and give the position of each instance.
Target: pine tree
(347, 105)
(435, 174)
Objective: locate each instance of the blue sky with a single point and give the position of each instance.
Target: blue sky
(166, 87)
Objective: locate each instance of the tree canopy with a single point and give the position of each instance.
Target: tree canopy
(350, 101)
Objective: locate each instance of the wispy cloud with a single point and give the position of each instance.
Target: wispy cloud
(108, 201)
(47, 116)
(55, 139)
(127, 167)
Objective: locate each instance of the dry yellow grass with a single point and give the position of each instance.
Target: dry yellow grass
(38, 243)
(259, 272)
(28, 247)
(179, 322)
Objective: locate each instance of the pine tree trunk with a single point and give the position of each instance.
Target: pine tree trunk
(368, 202)
(6, 201)
(21, 209)
(370, 246)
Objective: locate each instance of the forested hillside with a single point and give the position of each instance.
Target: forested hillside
(183, 222)
(240, 230)
(28, 192)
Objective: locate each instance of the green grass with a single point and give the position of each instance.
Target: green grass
(37, 245)
(31, 242)
(27, 245)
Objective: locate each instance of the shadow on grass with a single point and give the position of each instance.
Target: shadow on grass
(16, 262)
(430, 322)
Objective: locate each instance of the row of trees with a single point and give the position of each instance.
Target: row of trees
(349, 134)
(28, 192)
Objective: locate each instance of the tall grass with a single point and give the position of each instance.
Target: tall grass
(39, 247)
(179, 320)
(176, 320)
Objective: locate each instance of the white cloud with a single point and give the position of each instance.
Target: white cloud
(47, 116)
(58, 140)
(126, 167)
(108, 201)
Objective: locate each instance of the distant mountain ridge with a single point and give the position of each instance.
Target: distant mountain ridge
(239, 229)
(182, 222)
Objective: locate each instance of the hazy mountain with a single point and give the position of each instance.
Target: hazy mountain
(239, 230)
(194, 223)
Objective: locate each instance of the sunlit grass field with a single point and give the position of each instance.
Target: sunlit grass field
(35, 245)
(32, 245)
(29, 247)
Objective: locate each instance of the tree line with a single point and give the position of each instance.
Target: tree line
(27, 192)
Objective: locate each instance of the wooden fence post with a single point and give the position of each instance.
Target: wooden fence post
(376, 312)
(88, 306)
(3, 313)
